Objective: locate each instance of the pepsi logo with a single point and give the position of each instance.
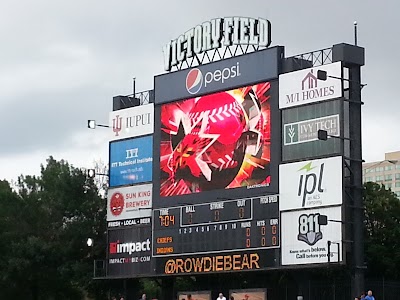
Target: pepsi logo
(194, 81)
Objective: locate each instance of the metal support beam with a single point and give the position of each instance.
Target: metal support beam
(356, 167)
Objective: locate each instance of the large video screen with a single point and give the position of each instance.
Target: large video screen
(217, 141)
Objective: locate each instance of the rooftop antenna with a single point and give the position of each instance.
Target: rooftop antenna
(134, 87)
(355, 33)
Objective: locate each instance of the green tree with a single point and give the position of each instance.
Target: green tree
(45, 225)
(382, 231)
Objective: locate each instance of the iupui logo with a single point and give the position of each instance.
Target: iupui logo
(117, 204)
(195, 79)
(309, 229)
(310, 184)
(117, 124)
(117, 247)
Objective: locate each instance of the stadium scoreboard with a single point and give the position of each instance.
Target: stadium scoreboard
(219, 226)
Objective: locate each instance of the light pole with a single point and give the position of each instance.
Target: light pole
(89, 243)
(323, 220)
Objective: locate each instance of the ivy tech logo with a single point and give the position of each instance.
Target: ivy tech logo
(310, 184)
(291, 134)
(307, 130)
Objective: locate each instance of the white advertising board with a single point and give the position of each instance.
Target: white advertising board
(311, 183)
(129, 202)
(249, 294)
(303, 87)
(304, 240)
(307, 130)
(132, 122)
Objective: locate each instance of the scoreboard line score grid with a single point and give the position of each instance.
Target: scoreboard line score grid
(219, 226)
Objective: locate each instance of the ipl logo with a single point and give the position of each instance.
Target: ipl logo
(117, 125)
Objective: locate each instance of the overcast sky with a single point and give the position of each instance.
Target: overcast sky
(61, 62)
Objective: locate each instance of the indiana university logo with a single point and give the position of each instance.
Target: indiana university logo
(310, 184)
(117, 125)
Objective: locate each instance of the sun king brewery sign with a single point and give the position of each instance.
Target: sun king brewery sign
(220, 32)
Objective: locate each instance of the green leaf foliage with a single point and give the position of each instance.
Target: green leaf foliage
(382, 231)
(45, 224)
(45, 221)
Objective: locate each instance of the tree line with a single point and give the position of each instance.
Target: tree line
(46, 220)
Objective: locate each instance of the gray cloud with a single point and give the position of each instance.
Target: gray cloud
(61, 62)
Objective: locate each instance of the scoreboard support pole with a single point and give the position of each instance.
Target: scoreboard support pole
(356, 166)
(302, 281)
(353, 58)
(167, 288)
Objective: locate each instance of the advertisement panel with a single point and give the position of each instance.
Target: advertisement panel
(127, 223)
(195, 295)
(254, 260)
(218, 141)
(221, 75)
(249, 294)
(131, 161)
(306, 235)
(129, 202)
(300, 127)
(132, 122)
(129, 252)
(307, 130)
(309, 184)
(303, 87)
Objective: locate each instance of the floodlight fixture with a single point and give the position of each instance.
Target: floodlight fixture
(323, 136)
(92, 124)
(323, 76)
(89, 242)
(91, 173)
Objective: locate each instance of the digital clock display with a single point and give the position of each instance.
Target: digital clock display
(167, 220)
(229, 225)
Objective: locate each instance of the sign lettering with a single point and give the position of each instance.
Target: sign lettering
(219, 32)
(219, 263)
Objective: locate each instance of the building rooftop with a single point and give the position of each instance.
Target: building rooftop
(390, 158)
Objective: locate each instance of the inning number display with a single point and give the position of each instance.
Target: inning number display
(242, 224)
